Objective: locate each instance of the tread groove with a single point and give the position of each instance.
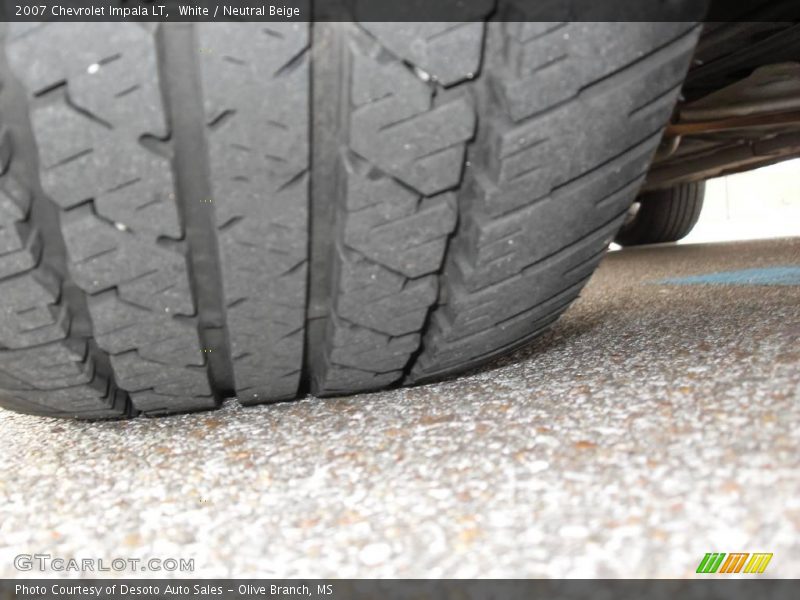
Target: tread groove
(177, 47)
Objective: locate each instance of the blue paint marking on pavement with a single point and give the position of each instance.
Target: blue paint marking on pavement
(789, 275)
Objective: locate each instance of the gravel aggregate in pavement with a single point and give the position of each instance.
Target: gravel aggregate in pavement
(652, 424)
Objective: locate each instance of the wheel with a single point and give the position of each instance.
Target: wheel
(663, 215)
(261, 210)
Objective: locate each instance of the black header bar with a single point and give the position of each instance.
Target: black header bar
(398, 10)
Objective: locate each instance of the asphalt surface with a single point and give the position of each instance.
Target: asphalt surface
(654, 423)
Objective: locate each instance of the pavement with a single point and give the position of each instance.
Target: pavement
(654, 423)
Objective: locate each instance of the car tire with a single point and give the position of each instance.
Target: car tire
(191, 212)
(663, 216)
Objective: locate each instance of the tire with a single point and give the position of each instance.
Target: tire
(664, 215)
(262, 210)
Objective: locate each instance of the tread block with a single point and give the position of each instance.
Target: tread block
(496, 248)
(155, 404)
(145, 273)
(378, 299)
(398, 128)
(50, 366)
(30, 313)
(546, 64)
(402, 231)
(360, 359)
(93, 401)
(19, 241)
(446, 52)
(136, 373)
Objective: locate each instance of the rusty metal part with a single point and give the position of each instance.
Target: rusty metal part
(740, 157)
(743, 122)
(769, 97)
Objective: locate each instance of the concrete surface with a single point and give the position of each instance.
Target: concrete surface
(653, 424)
